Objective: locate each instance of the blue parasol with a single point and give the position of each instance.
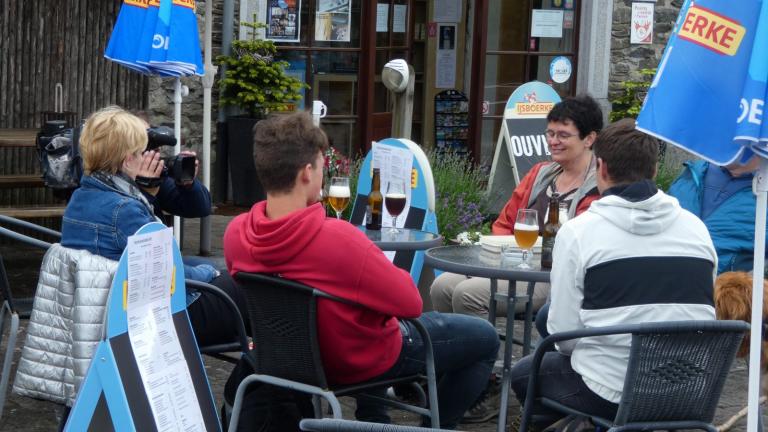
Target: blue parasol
(708, 97)
(159, 37)
(122, 47)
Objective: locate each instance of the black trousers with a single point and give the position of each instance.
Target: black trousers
(211, 318)
(558, 381)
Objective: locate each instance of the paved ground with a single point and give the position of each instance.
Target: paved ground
(28, 415)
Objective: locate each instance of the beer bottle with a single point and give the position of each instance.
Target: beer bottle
(375, 203)
(550, 231)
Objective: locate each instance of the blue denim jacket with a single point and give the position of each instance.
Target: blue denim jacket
(100, 219)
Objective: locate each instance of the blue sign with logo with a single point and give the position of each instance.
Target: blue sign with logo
(709, 93)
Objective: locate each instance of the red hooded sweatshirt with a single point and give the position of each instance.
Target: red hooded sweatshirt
(333, 256)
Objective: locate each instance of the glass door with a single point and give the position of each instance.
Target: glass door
(526, 40)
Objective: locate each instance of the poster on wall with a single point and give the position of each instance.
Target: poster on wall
(382, 17)
(399, 18)
(283, 20)
(547, 23)
(447, 11)
(333, 20)
(445, 69)
(641, 30)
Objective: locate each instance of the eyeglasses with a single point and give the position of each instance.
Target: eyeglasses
(561, 135)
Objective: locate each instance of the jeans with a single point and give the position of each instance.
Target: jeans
(465, 350)
(541, 321)
(559, 382)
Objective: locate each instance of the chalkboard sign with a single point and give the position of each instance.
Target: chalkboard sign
(451, 121)
(522, 143)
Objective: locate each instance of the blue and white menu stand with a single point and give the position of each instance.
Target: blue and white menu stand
(113, 396)
(421, 204)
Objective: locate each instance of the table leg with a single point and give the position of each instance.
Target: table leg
(492, 303)
(508, 343)
(528, 320)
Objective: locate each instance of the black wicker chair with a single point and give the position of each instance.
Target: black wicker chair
(337, 425)
(674, 379)
(287, 353)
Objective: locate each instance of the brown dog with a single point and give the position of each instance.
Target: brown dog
(733, 301)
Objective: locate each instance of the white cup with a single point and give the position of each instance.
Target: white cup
(319, 109)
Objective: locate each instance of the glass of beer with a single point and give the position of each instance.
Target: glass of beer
(338, 195)
(526, 233)
(394, 200)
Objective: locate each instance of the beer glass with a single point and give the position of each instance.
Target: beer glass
(563, 212)
(395, 202)
(338, 195)
(526, 233)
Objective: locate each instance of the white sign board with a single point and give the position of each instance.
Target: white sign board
(162, 367)
(547, 23)
(447, 11)
(445, 72)
(641, 30)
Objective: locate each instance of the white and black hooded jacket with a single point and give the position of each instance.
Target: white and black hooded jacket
(634, 257)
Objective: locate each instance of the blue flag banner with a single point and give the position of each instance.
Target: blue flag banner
(123, 43)
(693, 102)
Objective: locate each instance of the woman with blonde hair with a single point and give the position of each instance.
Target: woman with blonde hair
(109, 207)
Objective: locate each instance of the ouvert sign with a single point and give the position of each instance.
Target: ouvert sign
(521, 143)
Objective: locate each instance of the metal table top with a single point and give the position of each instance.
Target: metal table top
(474, 261)
(406, 240)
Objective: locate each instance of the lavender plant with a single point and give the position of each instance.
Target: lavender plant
(461, 202)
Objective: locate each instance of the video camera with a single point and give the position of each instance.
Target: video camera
(181, 167)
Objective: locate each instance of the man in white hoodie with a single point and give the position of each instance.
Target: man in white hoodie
(634, 256)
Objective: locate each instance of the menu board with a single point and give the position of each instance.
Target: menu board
(451, 121)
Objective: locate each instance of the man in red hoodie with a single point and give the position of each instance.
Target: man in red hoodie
(290, 234)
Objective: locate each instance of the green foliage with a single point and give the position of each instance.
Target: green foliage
(461, 203)
(256, 82)
(629, 103)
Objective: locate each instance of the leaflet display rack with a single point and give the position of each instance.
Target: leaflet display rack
(451, 121)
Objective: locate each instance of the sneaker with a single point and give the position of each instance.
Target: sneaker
(486, 407)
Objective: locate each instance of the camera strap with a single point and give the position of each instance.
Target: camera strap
(148, 182)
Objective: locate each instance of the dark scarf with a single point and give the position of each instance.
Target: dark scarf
(122, 183)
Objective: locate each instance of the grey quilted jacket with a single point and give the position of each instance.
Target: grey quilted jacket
(66, 324)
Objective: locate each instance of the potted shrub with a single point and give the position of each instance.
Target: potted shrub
(256, 83)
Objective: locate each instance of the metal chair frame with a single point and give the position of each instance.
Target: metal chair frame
(731, 333)
(338, 425)
(319, 389)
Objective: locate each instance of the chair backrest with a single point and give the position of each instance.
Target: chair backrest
(677, 373)
(283, 322)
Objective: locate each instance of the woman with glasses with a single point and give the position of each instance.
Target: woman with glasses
(572, 126)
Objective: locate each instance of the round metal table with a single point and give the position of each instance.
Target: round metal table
(406, 240)
(475, 261)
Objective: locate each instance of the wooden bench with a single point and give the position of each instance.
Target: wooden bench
(8, 181)
(18, 137)
(33, 212)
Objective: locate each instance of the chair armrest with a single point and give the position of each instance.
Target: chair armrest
(24, 238)
(338, 425)
(214, 290)
(29, 225)
(644, 328)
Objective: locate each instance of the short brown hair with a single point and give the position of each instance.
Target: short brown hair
(109, 136)
(631, 155)
(282, 145)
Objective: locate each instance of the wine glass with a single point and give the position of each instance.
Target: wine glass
(338, 194)
(395, 201)
(526, 233)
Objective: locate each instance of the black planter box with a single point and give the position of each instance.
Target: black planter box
(246, 188)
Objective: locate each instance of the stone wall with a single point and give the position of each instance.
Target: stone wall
(628, 59)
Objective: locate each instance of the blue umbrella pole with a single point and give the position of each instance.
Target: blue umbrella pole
(760, 187)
